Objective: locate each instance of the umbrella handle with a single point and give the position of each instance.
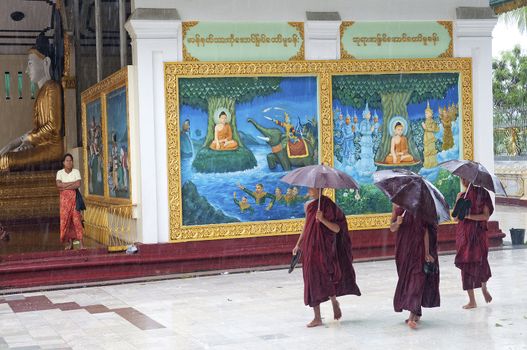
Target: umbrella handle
(319, 194)
(468, 188)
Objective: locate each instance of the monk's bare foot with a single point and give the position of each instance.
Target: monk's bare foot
(337, 313)
(314, 323)
(470, 306)
(412, 324)
(486, 295)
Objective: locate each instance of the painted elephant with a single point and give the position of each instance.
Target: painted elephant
(277, 140)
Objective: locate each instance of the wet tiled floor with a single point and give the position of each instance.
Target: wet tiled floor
(264, 310)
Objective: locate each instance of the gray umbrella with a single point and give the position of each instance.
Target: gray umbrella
(320, 176)
(476, 174)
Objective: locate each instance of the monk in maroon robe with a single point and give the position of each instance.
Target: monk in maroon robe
(416, 243)
(472, 244)
(326, 256)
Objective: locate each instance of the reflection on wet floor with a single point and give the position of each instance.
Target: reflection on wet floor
(44, 236)
(36, 237)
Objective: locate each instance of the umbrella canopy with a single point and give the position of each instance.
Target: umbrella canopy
(476, 173)
(413, 193)
(320, 176)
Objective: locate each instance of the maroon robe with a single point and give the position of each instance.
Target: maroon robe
(472, 243)
(414, 288)
(327, 259)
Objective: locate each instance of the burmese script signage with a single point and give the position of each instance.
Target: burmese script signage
(242, 41)
(362, 40)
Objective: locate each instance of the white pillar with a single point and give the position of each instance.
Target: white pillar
(156, 38)
(473, 38)
(322, 40)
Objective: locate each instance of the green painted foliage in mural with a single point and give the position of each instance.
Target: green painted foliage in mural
(195, 92)
(356, 90)
(370, 200)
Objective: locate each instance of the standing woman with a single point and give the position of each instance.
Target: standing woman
(472, 245)
(416, 243)
(68, 181)
(326, 252)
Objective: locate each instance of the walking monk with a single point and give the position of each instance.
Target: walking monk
(416, 243)
(326, 252)
(471, 243)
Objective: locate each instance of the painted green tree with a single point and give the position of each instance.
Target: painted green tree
(210, 94)
(392, 93)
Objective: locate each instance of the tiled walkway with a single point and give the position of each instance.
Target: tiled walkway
(264, 310)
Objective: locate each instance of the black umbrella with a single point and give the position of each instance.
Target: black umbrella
(294, 260)
(476, 174)
(413, 193)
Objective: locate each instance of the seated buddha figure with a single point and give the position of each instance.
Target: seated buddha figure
(43, 144)
(399, 147)
(223, 135)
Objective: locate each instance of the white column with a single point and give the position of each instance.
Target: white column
(322, 40)
(473, 38)
(154, 41)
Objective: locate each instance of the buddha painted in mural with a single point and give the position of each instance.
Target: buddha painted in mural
(399, 151)
(430, 128)
(43, 144)
(223, 134)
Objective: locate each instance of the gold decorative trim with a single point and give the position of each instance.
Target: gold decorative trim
(344, 54)
(509, 6)
(300, 55)
(449, 52)
(100, 90)
(69, 82)
(185, 28)
(67, 55)
(323, 70)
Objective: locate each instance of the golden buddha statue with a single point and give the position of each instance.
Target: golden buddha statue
(43, 144)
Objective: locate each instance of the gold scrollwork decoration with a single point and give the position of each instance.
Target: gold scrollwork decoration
(185, 28)
(509, 6)
(449, 52)
(300, 55)
(344, 54)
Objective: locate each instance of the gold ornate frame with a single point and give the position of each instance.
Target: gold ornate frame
(323, 70)
(100, 91)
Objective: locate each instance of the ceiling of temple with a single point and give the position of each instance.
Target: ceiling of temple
(20, 23)
(22, 20)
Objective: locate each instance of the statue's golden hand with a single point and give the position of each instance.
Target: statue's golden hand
(24, 146)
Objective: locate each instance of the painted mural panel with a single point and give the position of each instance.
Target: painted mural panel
(238, 137)
(390, 121)
(95, 148)
(118, 144)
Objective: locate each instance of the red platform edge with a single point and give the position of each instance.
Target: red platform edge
(511, 201)
(67, 267)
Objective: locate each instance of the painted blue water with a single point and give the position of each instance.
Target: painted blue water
(218, 189)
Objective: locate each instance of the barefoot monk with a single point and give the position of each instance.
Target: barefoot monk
(326, 252)
(472, 245)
